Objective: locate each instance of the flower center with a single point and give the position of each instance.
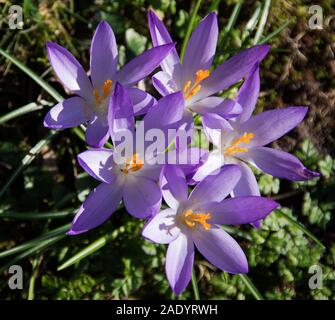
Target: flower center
(189, 89)
(234, 147)
(190, 219)
(105, 89)
(134, 163)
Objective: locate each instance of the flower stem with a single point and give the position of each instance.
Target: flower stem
(195, 286)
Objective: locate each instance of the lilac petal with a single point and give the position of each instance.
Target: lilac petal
(141, 196)
(247, 185)
(212, 165)
(280, 164)
(231, 71)
(141, 66)
(141, 101)
(162, 228)
(104, 55)
(241, 210)
(160, 36)
(167, 111)
(225, 108)
(248, 94)
(68, 114)
(97, 132)
(217, 186)
(215, 127)
(201, 47)
(179, 263)
(220, 249)
(164, 83)
(69, 71)
(120, 113)
(98, 163)
(176, 182)
(185, 129)
(98, 207)
(270, 125)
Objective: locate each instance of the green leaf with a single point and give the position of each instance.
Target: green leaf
(34, 76)
(301, 227)
(36, 215)
(189, 29)
(93, 247)
(195, 286)
(274, 33)
(135, 41)
(30, 107)
(262, 21)
(254, 291)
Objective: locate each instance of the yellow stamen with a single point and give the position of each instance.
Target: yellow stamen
(133, 164)
(234, 148)
(106, 87)
(191, 219)
(191, 91)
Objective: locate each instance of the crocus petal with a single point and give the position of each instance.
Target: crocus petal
(280, 164)
(248, 94)
(120, 113)
(220, 249)
(97, 132)
(160, 36)
(141, 101)
(176, 182)
(179, 263)
(141, 66)
(67, 114)
(241, 210)
(98, 164)
(141, 196)
(225, 108)
(98, 207)
(215, 127)
(211, 165)
(231, 71)
(270, 125)
(167, 111)
(104, 55)
(69, 71)
(162, 227)
(216, 186)
(164, 83)
(201, 47)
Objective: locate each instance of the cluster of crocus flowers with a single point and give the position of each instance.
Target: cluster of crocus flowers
(225, 191)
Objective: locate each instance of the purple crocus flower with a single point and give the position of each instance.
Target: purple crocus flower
(90, 104)
(196, 219)
(193, 76)
(242, 140)
(136, 179)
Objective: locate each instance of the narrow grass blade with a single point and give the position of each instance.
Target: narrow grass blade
(33, 75)
(30, 156)
(30, 107)
(36, 215)
(189, 29)
(274, 33)
(231, 23)
(195, 286)
(252, 23)
(254, 291)
(93, 247)
(31, 251)
(35, 242)
(262, 21)
(301, 227)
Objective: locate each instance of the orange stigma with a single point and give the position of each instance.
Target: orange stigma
(106, 88)
(191, 219)
(133, 164)
(189, 91)
(234, 148)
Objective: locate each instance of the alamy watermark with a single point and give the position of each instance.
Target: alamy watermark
(15, 282)
(316, 280)
(15, 17)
